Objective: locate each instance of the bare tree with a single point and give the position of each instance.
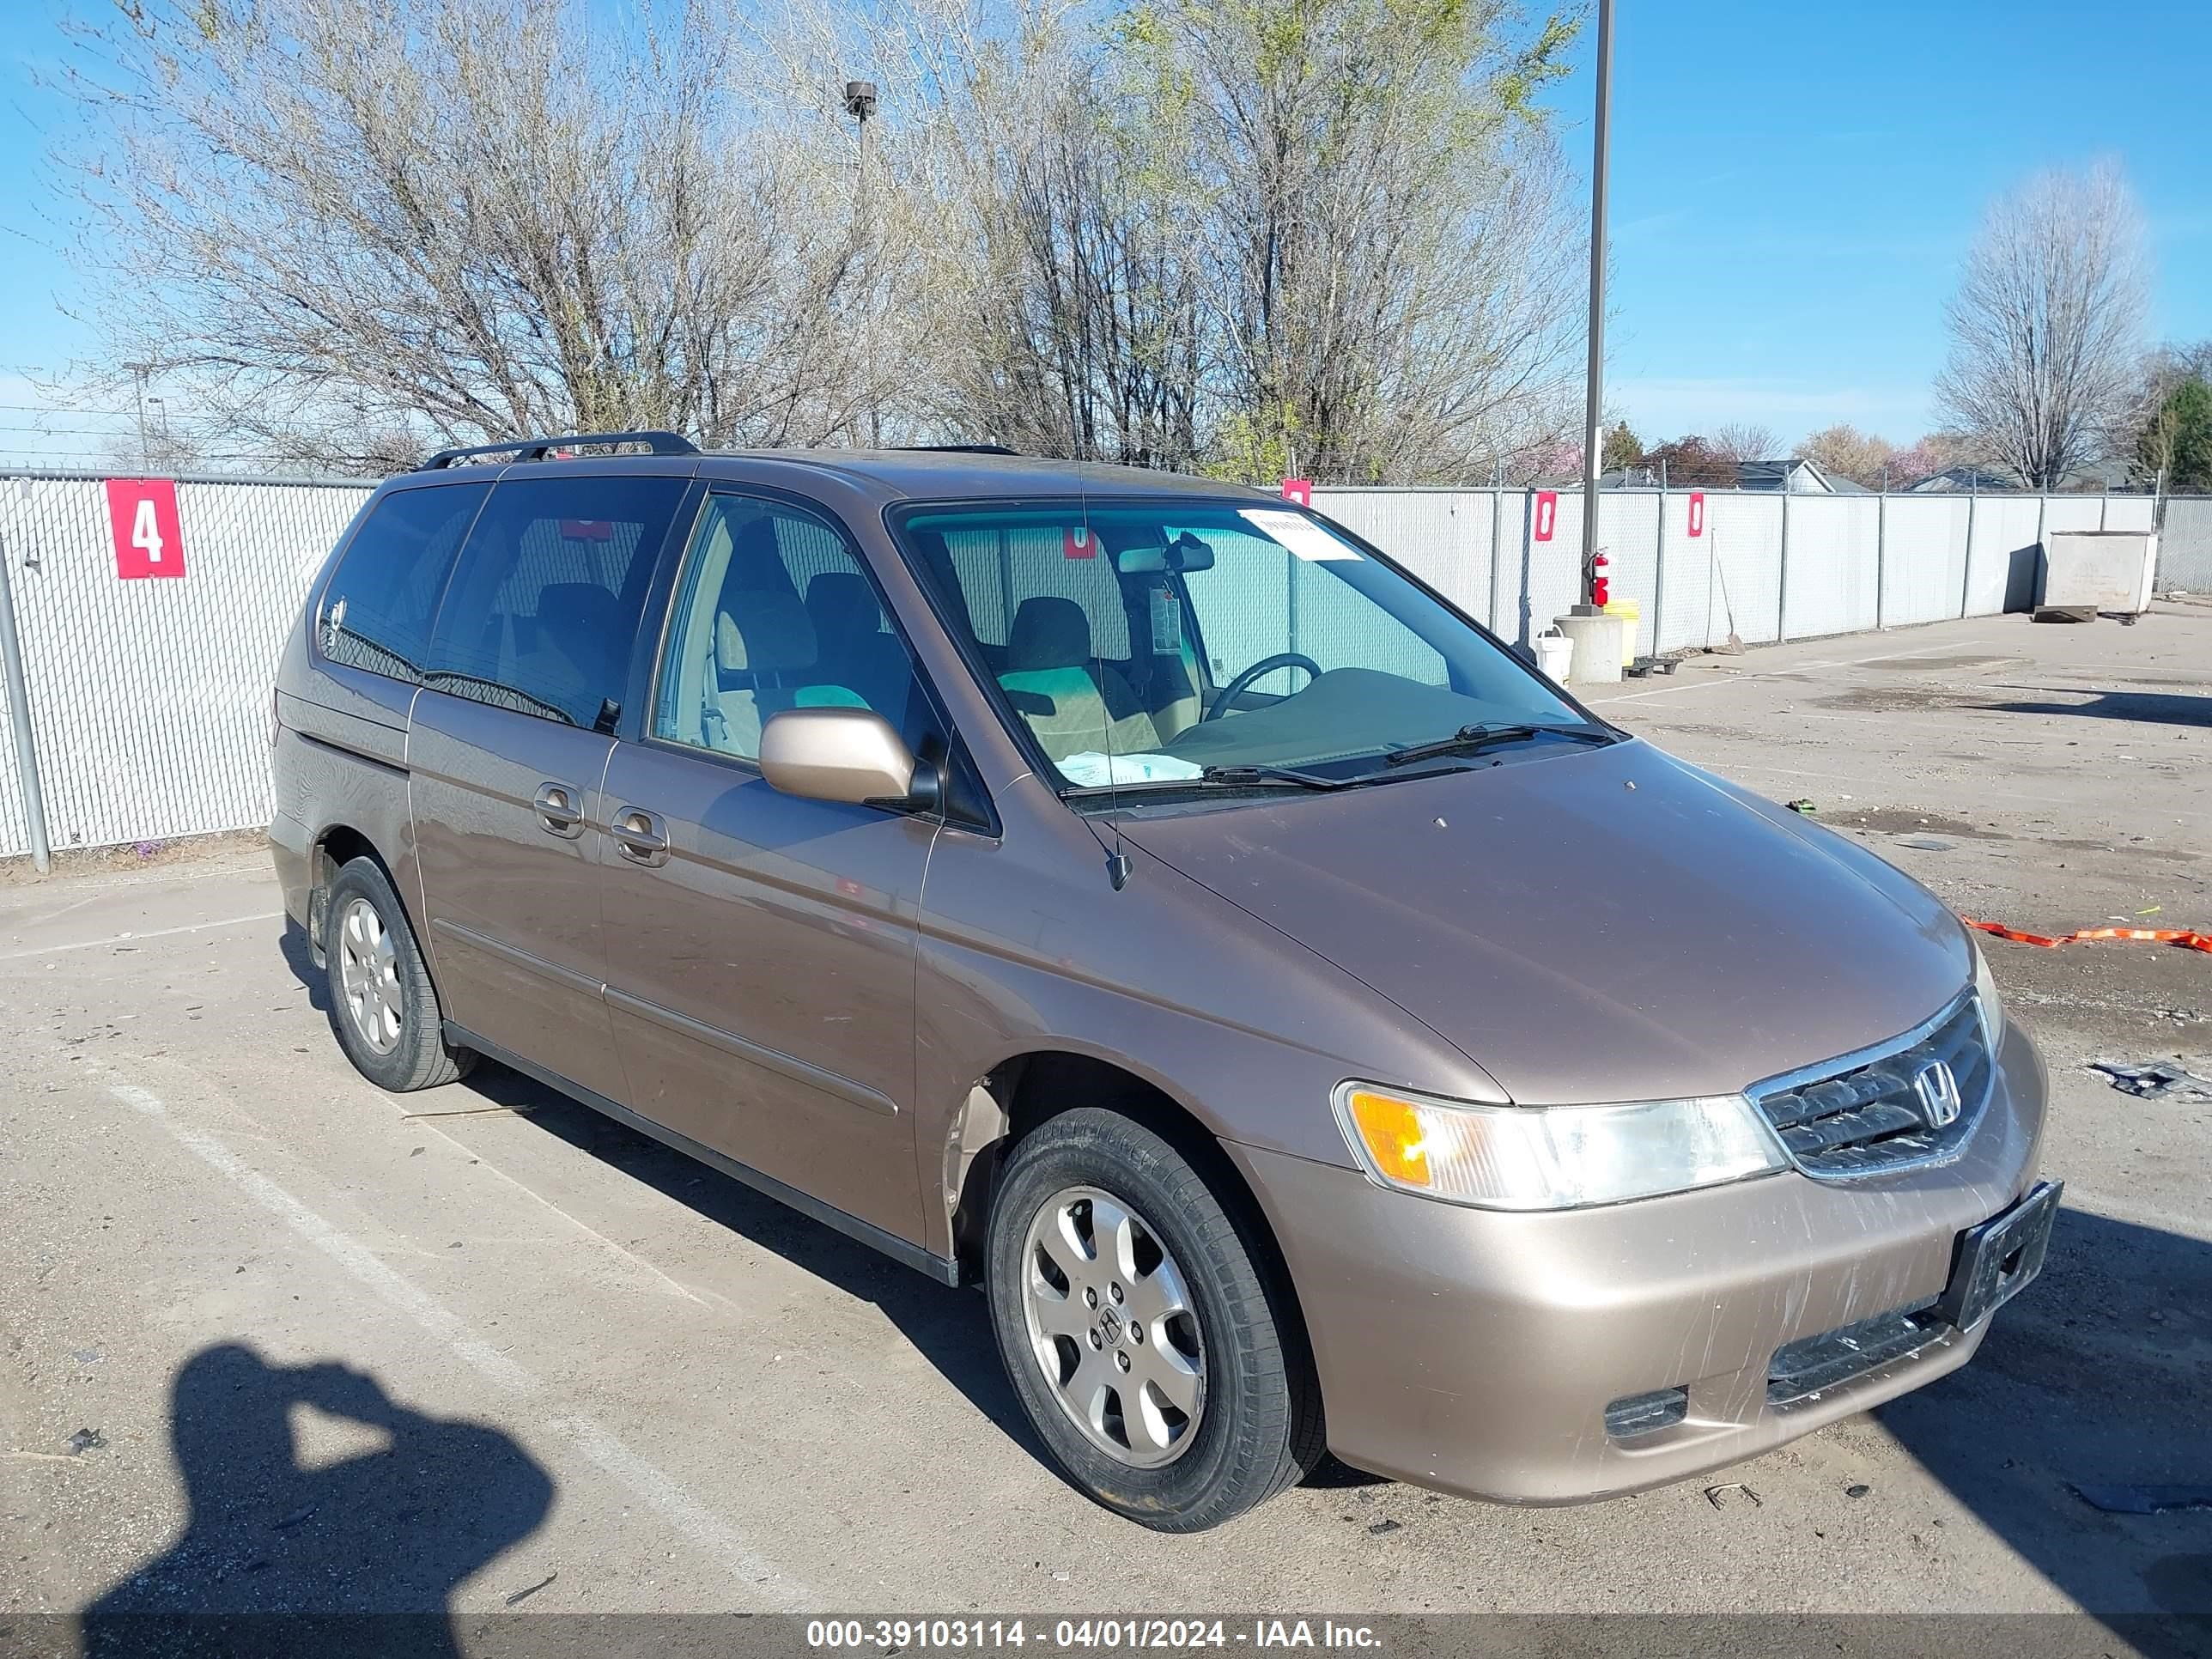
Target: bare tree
(2045, 323)
(1742, 441)
(1395, 263)
(1335, 230)
(356, 226)
(1847, 453)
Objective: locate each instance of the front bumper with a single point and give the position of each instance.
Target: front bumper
(1477, 1352)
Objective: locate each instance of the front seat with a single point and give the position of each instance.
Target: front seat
(1074, 702)
(764, 663)
(855, 651)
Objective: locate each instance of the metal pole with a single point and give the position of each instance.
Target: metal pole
(138, 372)
(19, 720)
(1781, 579)
(1966, 564)
(1497, 553)
(1521, 605)
(1659, 564)
(1880, 545)
(1593, 449)
(860, 104)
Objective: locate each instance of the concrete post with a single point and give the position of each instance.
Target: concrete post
(19, 720)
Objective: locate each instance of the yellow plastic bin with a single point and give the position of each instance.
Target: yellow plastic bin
(1631, 612)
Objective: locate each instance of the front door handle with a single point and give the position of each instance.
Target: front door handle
(560, 810)
(642, 836)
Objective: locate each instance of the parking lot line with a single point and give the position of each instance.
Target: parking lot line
(699, 1524)
(1770, 673)
(132, 938)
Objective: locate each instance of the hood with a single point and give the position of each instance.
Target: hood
(1589, 926)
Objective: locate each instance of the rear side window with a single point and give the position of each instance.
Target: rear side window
(542, 608)
(377, 609)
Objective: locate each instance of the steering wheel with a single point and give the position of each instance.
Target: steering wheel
(1264, 665)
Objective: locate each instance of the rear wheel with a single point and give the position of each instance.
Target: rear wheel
(382, 1002)
(1137, 1328)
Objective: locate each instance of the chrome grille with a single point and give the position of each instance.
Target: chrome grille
(1888, 1107)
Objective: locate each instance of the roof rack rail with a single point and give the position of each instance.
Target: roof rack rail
(958, 449)
(537, 449)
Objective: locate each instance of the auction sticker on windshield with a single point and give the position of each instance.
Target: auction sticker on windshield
(1305, 538)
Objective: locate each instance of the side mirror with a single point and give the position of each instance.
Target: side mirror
(850, 755)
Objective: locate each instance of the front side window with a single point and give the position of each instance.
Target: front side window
(774, 611)
(1174, 642)
(542, 608)
(376, 610)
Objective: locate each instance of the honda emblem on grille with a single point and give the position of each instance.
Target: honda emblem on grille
(1937, 1090)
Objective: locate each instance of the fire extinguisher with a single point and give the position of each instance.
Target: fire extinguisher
(1597, 580)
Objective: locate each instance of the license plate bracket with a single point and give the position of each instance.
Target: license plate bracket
(1997, 1258)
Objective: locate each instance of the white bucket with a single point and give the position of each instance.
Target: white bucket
(1555, 654)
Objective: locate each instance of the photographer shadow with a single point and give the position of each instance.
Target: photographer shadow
(354, 1557)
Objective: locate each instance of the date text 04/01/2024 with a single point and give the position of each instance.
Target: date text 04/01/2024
(901, 1635)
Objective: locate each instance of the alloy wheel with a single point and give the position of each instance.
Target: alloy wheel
(1111, 1323)
(368, 976)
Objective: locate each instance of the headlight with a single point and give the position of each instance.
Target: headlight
(1553, 1157)
(1987, 1003)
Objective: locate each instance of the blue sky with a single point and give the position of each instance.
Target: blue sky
(1793, 188)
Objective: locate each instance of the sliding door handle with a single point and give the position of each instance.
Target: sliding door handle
(560, 810)
(642, 836)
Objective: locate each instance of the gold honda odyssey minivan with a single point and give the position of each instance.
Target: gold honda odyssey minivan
(1139, 896)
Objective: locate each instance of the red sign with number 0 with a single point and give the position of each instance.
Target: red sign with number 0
(142, 515)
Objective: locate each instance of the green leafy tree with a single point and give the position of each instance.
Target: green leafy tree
(2179, 438)
(1622, 448)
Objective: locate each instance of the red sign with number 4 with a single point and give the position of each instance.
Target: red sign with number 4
(142, 515)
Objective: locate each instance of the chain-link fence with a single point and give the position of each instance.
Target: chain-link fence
(1761, 565)
(148, 700)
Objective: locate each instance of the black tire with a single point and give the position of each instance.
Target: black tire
(417, 1057)
(1259, 1429)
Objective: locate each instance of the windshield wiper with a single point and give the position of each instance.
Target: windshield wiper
(1213, 777)
(1271, 774)
(1472, 739)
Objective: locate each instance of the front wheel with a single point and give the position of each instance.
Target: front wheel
(382, 1002)
(1137, 1328)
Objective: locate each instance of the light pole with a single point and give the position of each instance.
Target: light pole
(138, 373)
(860, 105)
(1593, 423)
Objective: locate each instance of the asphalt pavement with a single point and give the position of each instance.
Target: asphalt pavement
(274, 1339)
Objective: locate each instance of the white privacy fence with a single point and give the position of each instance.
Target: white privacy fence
(1762, 565)
(148, 699)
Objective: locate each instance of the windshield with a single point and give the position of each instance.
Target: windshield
(1165, 642)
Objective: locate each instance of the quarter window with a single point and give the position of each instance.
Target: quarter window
(774, 611)
(542, 610)
(377, 609)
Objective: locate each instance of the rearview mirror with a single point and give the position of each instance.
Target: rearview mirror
(1185, 553)
(850, 755)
